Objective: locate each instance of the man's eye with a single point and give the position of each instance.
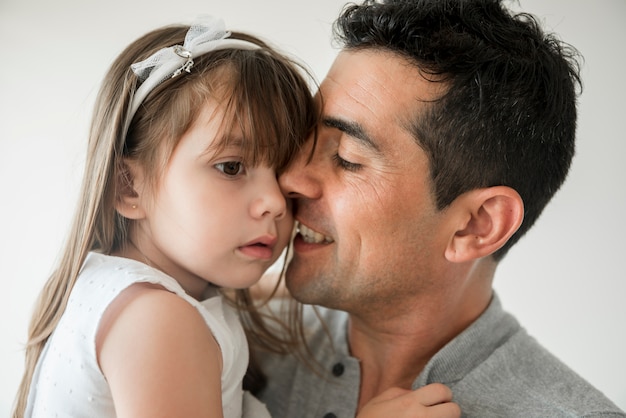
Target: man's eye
(230, 168)
(346, 165)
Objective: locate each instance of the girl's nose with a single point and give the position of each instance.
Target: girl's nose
(270, 200)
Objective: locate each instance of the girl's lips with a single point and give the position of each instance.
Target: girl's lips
(257, 251)
(261, 247)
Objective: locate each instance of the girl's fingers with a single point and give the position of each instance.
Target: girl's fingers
(431, 401)
(433, 394)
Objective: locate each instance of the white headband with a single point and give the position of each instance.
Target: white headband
(206, 34)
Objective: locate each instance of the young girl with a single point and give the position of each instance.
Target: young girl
(179, 198)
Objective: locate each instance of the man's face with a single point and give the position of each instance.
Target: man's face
(370, 234)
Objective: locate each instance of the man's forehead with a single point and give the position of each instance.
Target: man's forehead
(375, 88)
(377, 77)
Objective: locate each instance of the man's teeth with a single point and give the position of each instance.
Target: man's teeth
(312, 237)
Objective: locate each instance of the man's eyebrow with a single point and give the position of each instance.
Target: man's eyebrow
(353, 129)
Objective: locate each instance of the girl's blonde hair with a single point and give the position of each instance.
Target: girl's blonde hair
(267, 97)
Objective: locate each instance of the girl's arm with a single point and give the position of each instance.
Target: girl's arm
(431, 401)
(158, 356)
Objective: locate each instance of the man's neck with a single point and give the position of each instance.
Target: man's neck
(393, 348)
(388, 358)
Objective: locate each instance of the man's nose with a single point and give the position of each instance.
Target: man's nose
(299, 179)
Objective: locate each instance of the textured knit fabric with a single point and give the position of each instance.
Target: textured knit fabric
(494, 368)
(68, 381)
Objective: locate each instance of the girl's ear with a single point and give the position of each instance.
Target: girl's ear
(489, 217)
(130, 180)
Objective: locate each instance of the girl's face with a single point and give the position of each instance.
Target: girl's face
(211, 217)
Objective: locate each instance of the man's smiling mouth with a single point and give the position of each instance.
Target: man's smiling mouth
(313, 237)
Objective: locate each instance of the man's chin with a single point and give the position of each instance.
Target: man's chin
(301, 283)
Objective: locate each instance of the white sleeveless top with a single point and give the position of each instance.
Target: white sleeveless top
(68, 381)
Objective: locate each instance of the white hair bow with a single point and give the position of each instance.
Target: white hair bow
(206, 34)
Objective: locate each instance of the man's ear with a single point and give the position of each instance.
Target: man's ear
(130, 183)
(488, 218)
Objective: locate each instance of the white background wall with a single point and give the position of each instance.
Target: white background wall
(565, 281)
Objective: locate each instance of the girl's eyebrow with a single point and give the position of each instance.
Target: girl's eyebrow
(353, 129)
(223, 143)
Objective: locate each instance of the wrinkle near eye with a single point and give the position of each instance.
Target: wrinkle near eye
(369, 189)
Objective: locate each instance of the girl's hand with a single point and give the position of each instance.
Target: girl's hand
(431, 401)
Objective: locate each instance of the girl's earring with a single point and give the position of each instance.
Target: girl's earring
(134, 206)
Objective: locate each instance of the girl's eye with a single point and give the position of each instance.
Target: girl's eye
(345, 165)
(230, 168)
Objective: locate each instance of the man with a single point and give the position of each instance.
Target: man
(446, 128)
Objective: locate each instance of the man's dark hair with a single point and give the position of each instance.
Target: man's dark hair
(508, 116)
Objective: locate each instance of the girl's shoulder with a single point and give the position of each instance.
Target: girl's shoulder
(107, 273)
(148, 338)
(148, 316)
